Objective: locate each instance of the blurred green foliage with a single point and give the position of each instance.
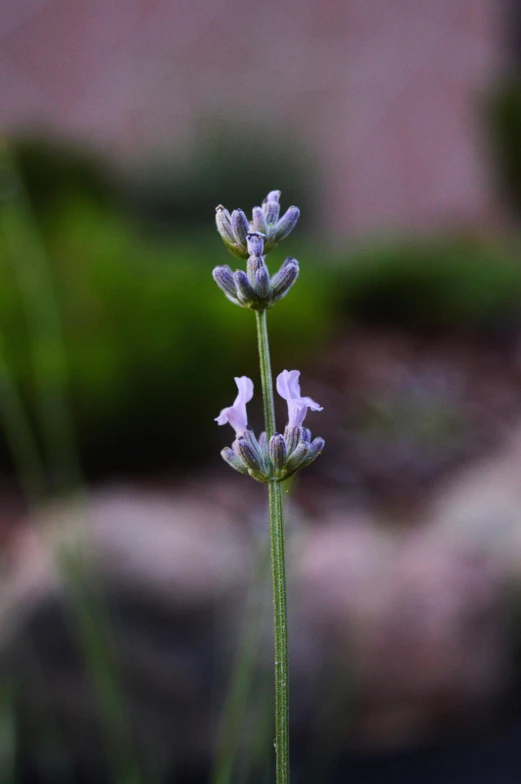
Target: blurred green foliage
(152, 345)
(433, 284)
(504, 123)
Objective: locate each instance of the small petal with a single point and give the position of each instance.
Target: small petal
(236, 415)
(288, 385)
(240, 226)
(286, 224)
(259, 221)
(288, 388)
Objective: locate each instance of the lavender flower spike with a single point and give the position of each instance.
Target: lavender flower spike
(236, 415)
(288, 387)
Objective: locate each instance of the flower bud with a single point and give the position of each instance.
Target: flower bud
(255, 243)
(245, 293)
(292, 436)
(306, 435)
(233, 460)
(315, 449)
(271, 211)
(224, 224)
(253, 265)
(259, 221)
(284, 279)
(272, 196)
(246, 453)
(223, 276)
(249, 435)
(277, 449)
(297, 457)
(286, 224)
(262, 283)
(263, 443)
(240, 227)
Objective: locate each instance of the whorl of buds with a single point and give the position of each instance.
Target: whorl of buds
(277, 460)
(265, 220)
(283, 455)
(256, 289)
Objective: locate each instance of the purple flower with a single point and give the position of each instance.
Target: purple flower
(288, 387)
(236, 415)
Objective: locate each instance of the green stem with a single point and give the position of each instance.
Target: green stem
(31, 266)
(278, 567)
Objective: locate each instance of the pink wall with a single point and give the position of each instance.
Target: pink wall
(385, 92)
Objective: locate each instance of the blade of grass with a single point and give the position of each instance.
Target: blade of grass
(32, 269)
(8, 734)
(20, 438)
(230, 729)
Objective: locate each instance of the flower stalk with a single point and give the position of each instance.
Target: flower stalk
(278, 569)
(273, 457)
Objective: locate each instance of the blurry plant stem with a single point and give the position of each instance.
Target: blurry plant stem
(90, 618)
(8, 733)
(20, 438)
(32, 270)
(33, 274)
(231, 725)
(278, 567)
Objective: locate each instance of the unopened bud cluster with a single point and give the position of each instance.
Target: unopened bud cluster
(234, 228)
(277, 459)
(252, 240)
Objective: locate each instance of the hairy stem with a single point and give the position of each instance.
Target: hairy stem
(278, 568)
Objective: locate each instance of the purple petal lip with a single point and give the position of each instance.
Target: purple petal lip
(288, 387)
(235, 415)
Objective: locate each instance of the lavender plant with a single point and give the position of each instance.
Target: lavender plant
(273, 457)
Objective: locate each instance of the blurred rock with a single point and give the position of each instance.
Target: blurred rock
(398, 636)
(156, 580)
(416, 630)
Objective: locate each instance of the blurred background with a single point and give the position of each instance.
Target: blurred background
(135, 619)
